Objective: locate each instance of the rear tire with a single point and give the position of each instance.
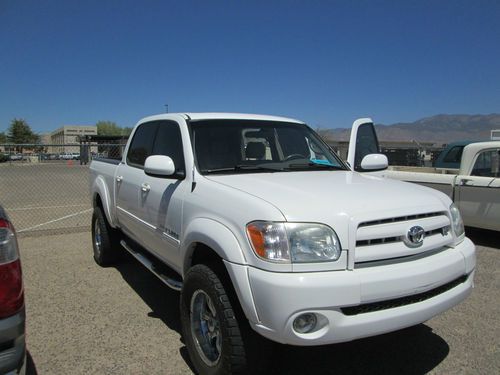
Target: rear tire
(209, 325)
(104, 240)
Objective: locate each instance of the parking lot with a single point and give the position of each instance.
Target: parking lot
(46, 197)
(83, 319)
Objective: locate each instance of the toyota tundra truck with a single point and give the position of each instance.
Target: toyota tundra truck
(266, 232)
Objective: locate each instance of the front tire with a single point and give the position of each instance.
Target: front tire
(104, 240)
(209, 324)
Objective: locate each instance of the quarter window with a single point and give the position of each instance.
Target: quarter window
(454, 155)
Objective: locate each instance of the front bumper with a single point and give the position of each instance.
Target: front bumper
(278, 298)
(12, 344)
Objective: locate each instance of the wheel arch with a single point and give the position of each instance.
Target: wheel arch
(213, 244)
(207, 238)
(101, 198)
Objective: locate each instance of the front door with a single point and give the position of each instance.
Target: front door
(161, 197)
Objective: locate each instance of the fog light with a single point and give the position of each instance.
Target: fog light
(305, 323)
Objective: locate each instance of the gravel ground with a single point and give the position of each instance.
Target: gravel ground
(46, 196)
(83, 319)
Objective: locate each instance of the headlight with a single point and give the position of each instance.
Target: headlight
(294, 242)
(456, 221)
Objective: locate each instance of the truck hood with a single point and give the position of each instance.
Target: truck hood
(319, 196)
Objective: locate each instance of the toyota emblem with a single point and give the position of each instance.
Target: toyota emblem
(414, 236)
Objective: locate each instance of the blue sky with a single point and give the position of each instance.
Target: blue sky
(325, 62)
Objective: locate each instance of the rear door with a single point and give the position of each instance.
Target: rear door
(478, 194)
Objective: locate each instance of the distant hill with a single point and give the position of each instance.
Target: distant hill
(439, 128)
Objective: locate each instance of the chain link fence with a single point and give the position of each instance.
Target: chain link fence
(45, 188)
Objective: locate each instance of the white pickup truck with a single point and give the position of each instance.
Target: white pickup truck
(260, 225)
(474, 187)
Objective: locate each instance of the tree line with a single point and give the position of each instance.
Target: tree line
(20, 132)
(111, 128)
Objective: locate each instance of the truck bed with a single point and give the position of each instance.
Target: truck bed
(105, 169)
(424, 169)
(434, 179)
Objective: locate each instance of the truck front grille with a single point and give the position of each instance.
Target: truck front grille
(403, 301)
(443, 231)
(378, 240)
(399, 218)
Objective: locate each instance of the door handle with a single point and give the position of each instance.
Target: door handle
(145, 187)
(119, 178)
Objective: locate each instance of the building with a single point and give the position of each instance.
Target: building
(45, 139)
(68, 137)
(495, 135)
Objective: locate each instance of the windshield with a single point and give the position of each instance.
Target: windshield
(249, 146)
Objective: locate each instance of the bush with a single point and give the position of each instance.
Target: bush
(4, 158)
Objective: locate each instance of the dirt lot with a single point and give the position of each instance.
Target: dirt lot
(46, 196)
(83, 319)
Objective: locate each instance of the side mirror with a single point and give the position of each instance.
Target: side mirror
(374, 162)
(159, 165)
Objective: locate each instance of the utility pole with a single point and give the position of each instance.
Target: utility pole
(166, 107)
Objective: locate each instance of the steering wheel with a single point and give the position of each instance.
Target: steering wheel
(294, 156)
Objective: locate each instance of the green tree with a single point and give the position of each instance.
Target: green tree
(127, 130)
(108, 128)
(3, 138)
(20, 132)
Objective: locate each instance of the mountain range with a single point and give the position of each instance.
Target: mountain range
(439, 129)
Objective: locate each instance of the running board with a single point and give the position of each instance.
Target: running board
(146, 262)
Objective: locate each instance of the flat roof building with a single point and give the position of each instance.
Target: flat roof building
(69, 135)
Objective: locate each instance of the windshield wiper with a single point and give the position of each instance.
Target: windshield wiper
(244, 167)
(312, 165)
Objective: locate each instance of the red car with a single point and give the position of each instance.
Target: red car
(12, 311)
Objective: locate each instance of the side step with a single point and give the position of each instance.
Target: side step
(160, 271)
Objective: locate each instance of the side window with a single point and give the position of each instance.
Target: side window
(454, 155)
(168, 142)
(487, 164)
(142, 144)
